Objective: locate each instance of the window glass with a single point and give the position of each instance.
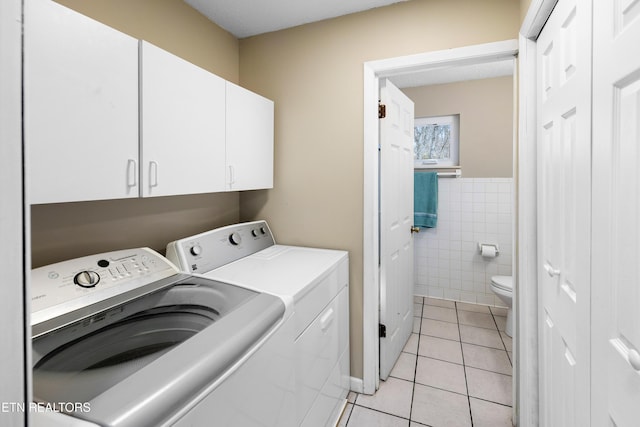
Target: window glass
(436, 141)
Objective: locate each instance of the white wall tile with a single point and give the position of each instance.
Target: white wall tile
(436, 292)
(447, 262)
(421, 290)
(485, 299)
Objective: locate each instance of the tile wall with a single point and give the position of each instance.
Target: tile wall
(447, 263)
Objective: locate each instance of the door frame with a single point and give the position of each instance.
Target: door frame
(373, 71)
(527, 303)
(14, 259)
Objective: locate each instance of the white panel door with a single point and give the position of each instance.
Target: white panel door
(564, 147)
(249, 140)
(182, 126)
(616, 214)
(80, 107)
(396, 220)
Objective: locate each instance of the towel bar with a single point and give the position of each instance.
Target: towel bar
(455, 174)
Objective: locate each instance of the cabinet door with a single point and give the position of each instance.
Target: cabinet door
(182, 126)
(249, 140)
(81, 107)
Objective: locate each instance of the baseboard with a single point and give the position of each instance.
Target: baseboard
(357, 385)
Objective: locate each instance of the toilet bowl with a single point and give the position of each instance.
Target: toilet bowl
(503, 287)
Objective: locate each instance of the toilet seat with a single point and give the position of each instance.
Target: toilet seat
(504, 283)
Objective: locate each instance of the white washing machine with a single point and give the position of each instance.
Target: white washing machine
(124, 339)
(314, 282)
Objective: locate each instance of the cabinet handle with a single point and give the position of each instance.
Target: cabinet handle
(132, 174)
(634, 359)
(552, 272)
(153, 174)
(232, 175)
(326, 320)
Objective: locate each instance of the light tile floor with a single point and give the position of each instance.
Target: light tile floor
(454, 371)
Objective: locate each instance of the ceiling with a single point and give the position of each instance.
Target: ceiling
(245, 18)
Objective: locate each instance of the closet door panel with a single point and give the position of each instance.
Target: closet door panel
(616, 209)
(564, 222)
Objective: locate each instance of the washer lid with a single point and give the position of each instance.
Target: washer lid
(503, 282)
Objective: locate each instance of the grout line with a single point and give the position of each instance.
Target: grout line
(471, 343)
(441, 360)
(378, 410)
(491, 401)
(491, 372)
(350, 412)
(501, 339)
(415, 368)
(448, 339)
(461, 364)
(464, 367)
(442, 389)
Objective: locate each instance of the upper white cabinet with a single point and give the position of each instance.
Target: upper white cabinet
(249, 140)
(110, 117)
(81, 107)
(182, 122)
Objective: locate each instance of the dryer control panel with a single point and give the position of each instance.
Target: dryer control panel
(61, 288)
(212, 249)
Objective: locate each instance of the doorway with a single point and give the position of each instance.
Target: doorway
(429, 63)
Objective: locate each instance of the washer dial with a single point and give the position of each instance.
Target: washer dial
(86, 279)
(235, 239)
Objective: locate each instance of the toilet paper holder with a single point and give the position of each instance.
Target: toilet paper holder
(488, 245)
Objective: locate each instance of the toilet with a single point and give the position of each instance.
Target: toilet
(503, 287)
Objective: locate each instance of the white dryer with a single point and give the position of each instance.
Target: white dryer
(124, 339)
(314, 282)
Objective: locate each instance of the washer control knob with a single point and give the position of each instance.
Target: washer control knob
(235, 239)
(195, 250)
(254, 232)
(262, 230)
(86, 279)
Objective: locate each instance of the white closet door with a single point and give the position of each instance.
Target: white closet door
(564, 147)
(616, 214)
(81, 106)
(183, 126)
(396, 220)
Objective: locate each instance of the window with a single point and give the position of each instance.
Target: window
(436, 141)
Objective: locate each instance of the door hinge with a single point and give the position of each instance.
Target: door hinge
(382, 331)
(382, 111)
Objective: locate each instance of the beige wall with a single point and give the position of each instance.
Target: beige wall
(524, 7)
(69, 230)
(172, 25)
(486, 121)
(314, 75)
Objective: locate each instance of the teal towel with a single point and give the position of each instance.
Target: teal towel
(425, 199)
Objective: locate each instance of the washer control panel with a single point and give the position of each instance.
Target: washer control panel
(60, 288)
(207, 251)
